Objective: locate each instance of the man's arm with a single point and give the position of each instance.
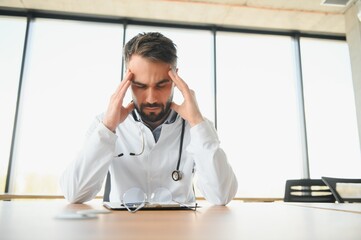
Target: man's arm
(216, 179)
(84, 177)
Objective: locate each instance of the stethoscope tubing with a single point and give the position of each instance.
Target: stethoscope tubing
(176, 174)
(181, 145)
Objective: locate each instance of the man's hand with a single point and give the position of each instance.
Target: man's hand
(189, 109)
(116, 113)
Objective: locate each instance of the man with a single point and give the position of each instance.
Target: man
(152, 142)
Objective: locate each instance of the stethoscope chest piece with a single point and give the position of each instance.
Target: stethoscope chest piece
(176, 175)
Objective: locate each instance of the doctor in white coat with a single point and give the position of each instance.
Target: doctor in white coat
(151, 143)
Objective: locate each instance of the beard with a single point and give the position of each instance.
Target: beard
(153, 117)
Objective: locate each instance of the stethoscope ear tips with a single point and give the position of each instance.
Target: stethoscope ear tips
(176, 175)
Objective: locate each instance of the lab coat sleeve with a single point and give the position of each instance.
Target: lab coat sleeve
(216, 179)
(84, 177)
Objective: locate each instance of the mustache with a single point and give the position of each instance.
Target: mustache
(151, 105)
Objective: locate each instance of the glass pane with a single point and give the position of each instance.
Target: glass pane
(257, 109)
(12, 32)
(333, 143)
(195, 62)
(72, 69)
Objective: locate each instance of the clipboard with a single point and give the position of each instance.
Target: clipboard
(152, 206)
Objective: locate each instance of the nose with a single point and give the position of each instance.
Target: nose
(151, 95)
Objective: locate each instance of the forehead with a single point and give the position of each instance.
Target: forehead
(147, 71)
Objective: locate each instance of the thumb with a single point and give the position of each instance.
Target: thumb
(175, 107)
(129, 107)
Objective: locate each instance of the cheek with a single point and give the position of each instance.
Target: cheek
(166, 92)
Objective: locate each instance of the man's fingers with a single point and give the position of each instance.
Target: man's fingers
(129, 107)
(123, 86)
(179, 82)
(126, 78)
(175, 107)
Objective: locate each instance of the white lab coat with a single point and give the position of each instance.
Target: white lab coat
(201, 155)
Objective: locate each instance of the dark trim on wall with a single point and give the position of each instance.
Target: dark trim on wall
(11, 155)
(302, 111)
(214, 32)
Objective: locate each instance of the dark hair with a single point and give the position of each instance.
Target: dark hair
(151, 45)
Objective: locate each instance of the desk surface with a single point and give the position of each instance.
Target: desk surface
(26, 219)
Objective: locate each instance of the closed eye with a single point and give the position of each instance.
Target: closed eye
(139, 85)
(163, 84)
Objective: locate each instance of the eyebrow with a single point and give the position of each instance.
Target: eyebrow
(158, 83)
(163, 81)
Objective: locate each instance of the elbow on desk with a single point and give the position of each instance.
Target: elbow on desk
(70, 196)
(220, 201)
(73, 199)
(79, 195)
(77, 198)
(224, 195)
(73, 194)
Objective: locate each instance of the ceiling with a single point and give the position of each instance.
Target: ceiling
(288, 15)
(292, 5)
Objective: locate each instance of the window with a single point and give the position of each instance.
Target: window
(12, 32)
(333, 143)
(257, 108)
(72, 68)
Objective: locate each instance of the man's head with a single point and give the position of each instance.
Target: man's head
(150, 56)
(153, 46)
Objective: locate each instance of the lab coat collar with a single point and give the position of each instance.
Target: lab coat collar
(156, 132)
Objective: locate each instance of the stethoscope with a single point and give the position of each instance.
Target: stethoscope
(176, 174)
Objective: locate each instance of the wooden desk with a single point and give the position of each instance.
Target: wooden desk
(343, 207)
(26, 219)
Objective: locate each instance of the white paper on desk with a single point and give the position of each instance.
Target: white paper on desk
(349, 190)
(73, 215)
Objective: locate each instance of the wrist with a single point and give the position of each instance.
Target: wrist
(196, 121)
(109, 126)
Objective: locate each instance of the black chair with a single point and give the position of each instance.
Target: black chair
(332, 184)
(107, 188)
(307, 190)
